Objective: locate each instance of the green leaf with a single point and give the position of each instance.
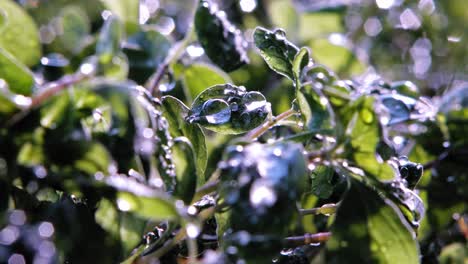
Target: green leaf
(154, 207)
(20, 36)
(18, 77)
(229, 109)
(321, 178)
(121, 226)
(127, 10)
(183, 155)
(96, 158)
(315, 108)
(300, 61)
(199, 76)
(145, 50)
(222, 41)
(370, 229)
(30, 154)
(276, 50)
(175, 112)
(55, 111)
(364, 132)
(454, 253)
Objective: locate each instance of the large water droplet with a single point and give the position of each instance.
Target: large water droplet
(253, 101)
(216, 111)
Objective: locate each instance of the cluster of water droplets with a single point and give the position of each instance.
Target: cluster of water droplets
(230, 108)
(156, 139)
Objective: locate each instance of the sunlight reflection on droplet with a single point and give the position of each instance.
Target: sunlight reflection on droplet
(106, 14)
(87, 68)
(248, 5)
(385, 4)
(192, 230)
(195, 51)
(123, 205)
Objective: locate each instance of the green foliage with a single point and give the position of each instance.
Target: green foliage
(102, 160)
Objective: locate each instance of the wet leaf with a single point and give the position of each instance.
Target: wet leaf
(411, 206)
(229, 109)
(365, 132)
(369, 229)
(276, 50)
(300, 61)
(198, 77)
(19, 79)
(222, 41)
(315, 108)
(20, 36)
(398, 107)
(175, 112)
(154, 207)
(321, 178)
(184, 156)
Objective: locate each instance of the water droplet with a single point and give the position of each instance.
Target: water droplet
(280, 34)
(192, 230)
(167, 83)
(253, 101)
(366, 115)
(216, 111)
(123, 205)
(55, 60)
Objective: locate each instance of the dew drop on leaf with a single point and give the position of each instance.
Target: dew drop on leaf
(216, 111)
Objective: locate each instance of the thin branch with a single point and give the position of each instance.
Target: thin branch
(307, 239)
(47, 91)
(264, 128)
(326, 209)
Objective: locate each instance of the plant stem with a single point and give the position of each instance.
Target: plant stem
(47, 91)
(263, 128)
(209, 187)
(52, 88)
(307, 239)
(325, 209)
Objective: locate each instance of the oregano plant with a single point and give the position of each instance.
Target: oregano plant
(222, 132)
